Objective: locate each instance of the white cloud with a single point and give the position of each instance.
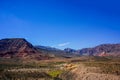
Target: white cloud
(63, 44)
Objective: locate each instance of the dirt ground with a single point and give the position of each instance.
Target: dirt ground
(82, 72)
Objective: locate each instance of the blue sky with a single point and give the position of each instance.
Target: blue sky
(61, 23)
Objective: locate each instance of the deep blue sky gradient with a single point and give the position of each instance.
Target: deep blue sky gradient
(80, 23)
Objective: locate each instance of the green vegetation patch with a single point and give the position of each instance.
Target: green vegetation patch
(55, 73)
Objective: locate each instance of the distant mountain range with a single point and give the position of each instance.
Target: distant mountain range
(22, 49)
(101, 50)
(54, 52)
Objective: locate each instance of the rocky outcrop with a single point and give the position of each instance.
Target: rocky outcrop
(18, 48)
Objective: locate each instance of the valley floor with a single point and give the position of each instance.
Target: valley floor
(64, 69)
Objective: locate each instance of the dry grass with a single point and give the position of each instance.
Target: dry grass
(106, 67)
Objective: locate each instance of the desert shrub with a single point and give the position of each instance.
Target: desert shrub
(45, 71)
(24, 75)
